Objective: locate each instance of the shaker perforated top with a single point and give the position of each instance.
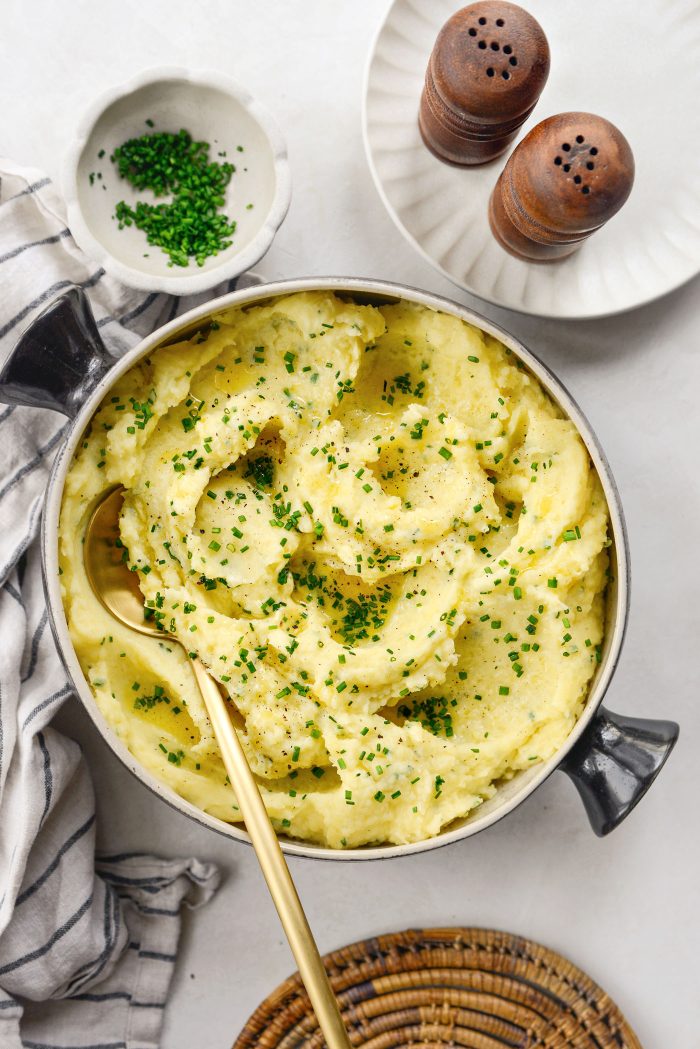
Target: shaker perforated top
(490, 62)
(567, 177)
(486, 71)
(572, 172)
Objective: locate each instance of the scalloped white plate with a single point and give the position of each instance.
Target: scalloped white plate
(636, 62)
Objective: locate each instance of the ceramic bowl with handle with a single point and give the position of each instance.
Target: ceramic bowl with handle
(60, 363)
(211, 107)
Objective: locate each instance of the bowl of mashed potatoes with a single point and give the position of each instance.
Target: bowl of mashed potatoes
(391, 537)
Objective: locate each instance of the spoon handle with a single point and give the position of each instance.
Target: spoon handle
(273, 864)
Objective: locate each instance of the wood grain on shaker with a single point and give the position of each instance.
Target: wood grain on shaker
(486, 72)
(567, 177)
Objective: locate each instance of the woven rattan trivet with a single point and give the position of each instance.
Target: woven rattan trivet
(427, 988)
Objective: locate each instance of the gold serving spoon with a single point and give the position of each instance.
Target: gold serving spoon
(117, 588)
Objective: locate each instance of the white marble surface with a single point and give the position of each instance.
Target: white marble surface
(625, 908)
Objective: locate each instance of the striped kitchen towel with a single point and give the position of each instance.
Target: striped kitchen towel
(86, 950)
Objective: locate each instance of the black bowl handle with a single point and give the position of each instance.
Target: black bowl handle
(59, 358)
(615, 762)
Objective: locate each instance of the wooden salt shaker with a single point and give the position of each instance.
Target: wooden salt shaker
(487, 70)
(567, 177)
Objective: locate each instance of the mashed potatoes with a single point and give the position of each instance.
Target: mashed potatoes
(382, 538)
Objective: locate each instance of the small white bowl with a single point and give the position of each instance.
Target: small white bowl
(212, 108)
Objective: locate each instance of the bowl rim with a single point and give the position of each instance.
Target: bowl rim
(240, 261)
(615, 628)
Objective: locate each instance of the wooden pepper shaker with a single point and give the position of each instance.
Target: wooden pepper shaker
(567, 177)
(487, 70)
